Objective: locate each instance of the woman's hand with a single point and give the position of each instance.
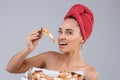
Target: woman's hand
(17, 63)
(33, 39)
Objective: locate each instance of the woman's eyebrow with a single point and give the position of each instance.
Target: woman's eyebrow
(60, 28)
(69, 29)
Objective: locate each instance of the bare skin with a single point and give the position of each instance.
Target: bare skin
(68, 59)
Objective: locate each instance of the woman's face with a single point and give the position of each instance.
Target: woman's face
(69, 38)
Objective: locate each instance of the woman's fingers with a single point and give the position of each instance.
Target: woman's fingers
(33, 35)
(33, 39)
(34, 32)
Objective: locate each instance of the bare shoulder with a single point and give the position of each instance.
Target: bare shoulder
(49, 55)
(91, 73)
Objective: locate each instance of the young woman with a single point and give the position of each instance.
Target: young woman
(73, 33)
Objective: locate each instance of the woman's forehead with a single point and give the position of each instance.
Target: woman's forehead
(69, 24)
(70, 21)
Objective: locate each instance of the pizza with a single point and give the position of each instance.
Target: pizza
(63, 75)
(44, 31)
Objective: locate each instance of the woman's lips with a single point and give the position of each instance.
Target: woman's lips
(62, 44)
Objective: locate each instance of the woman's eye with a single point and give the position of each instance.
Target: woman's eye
(60, 32)
(69, 33)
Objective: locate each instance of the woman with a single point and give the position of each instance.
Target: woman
(73, 33)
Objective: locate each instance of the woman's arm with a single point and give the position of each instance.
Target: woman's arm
(19, 61)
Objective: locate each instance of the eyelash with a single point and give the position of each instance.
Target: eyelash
(60, 32)
(69, 33)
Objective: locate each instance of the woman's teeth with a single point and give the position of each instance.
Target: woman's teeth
(63, 43)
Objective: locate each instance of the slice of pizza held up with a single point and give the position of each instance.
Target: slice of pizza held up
(44, 31)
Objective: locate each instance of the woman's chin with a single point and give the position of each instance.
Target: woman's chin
(62, 50)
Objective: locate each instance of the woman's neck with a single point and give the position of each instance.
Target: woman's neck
(72, 59)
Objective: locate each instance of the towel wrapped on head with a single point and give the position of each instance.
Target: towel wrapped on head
(84, 17)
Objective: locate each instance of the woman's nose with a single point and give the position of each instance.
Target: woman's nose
(62, 36)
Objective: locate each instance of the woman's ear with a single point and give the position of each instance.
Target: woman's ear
(82, 41)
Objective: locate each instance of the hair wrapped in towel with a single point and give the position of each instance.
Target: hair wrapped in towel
(84, 17)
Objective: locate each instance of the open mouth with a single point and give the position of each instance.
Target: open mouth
(62, 43)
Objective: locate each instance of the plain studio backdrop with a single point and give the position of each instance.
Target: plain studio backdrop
(19, 17)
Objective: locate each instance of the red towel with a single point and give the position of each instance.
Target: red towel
(84, 17)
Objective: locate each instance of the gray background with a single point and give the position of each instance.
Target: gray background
(19, 17)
